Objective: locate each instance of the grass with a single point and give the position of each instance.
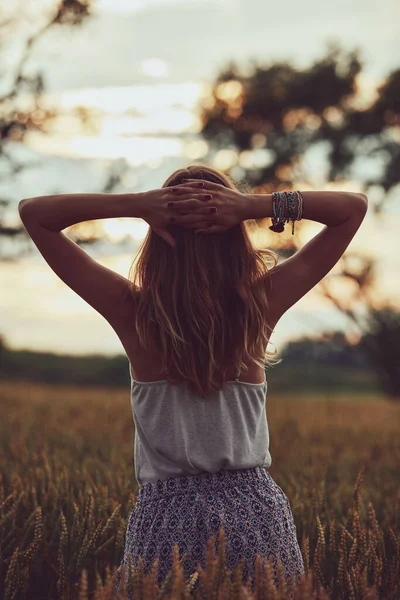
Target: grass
(67, 488)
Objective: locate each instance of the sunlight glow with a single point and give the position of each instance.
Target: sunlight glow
(225, 159)
(154, 67)
(136, 150)
(165, 121)
(196, 149)
(145, 98)
(117, 229)
(118, 116)
(255, 159)
(229, 90)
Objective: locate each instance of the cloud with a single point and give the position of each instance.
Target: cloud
(196, 39)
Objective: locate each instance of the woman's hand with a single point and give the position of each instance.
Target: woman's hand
(195, 203)
(231, 207)
(189, 200)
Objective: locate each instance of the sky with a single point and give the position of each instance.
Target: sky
(141, 67)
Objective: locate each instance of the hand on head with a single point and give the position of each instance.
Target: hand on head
(194, 204)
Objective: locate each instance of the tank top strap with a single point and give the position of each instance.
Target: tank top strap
(238, 373)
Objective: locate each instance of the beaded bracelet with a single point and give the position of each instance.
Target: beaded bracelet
(286, 206)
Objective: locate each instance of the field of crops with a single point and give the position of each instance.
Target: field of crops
(67, 488)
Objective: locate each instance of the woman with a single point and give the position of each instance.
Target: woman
(194, 317)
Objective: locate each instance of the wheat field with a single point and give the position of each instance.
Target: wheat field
(68, 487)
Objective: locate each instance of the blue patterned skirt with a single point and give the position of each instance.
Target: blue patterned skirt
(188, 509)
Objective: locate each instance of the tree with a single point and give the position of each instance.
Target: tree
(266, 119)
(381, 344)
(22, 110)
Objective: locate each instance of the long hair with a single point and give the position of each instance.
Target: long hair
(203, 306)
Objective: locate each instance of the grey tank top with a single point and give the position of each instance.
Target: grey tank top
(179, 433)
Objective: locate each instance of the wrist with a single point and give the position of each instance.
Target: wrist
(259, 206)
(137, 205)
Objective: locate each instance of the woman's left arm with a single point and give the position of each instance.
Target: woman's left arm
(44, 218)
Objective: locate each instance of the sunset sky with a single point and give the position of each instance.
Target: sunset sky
(141, 67)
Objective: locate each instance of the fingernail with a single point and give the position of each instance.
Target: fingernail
(170, 204)
(213, 209)
(208, 196)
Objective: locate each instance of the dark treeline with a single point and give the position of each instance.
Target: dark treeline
(307, 364)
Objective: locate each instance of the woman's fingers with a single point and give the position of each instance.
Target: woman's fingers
(181, 189)
(192, 204)
(184, 204)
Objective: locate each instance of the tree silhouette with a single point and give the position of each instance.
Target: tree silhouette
(381, 344)
(22, 111)
(271, 116)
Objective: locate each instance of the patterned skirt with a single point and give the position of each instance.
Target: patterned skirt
(186, 510)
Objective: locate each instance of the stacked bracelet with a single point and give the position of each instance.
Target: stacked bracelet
(286, 206)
